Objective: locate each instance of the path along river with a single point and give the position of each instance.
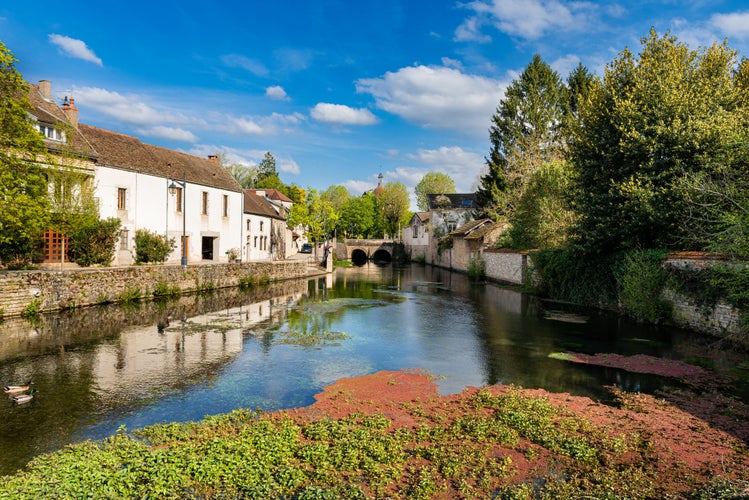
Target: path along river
(97, 369)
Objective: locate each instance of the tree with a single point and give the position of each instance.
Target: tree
(526, 132)
(358, 216)
(668, 113)
(244, 175)
(393, 203)
(24, 204)
(322, 217)
(151, 247)
(93, 241)
(266, 168)
(544, 215)
(432, 183)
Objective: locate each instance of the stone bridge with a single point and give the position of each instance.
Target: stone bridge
(362, 251)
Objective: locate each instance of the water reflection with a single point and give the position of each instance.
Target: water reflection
(275, 347)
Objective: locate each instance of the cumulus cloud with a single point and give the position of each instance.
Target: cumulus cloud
(437, 97)
(75, 48)
(528, 19)
(261, 125)
(276, 92)
(463, 166)
(243, 62)
(339, 114)
(128, 108)
(734, 25)
(171, 133)
(287, 165)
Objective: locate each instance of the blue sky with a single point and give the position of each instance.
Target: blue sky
(337, 90)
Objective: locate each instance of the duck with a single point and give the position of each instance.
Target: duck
(13, 389)
(24, 398)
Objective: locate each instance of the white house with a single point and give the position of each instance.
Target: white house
(133, 182)
(415, 235)
(258, 221)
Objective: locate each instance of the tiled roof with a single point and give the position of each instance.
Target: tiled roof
(256, 204)
(273, 194)
(475, 229)
(47, 112)
(457, 200)
(422, 216)
(129, 153)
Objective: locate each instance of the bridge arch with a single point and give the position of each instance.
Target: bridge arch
(359, 257)
(382, 256)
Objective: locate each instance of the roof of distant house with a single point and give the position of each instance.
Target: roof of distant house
(475, 229)
(273, 194)
(452, 201)
(423, 217)
(256, 204)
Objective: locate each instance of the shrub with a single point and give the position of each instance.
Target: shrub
(151, 247)
(94, 241)
(477, 267)
(640, 280)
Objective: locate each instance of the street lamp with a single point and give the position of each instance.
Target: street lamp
(173, 190)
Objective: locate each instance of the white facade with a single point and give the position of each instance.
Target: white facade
(143, 201)
(257, 238)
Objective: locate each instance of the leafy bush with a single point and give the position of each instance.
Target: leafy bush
(477, 267)
(640, 280)
(94, 241)
(152, 247)
(566, 274)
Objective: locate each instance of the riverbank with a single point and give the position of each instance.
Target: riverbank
(391, 435)
(24, 293)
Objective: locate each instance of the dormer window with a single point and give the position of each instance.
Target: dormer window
(51, 132)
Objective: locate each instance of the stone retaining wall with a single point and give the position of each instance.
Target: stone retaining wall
(507, 267)
(22, 291)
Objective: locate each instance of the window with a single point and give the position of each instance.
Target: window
(124, 239)
(255, 245)
(204, 205)
(121, 198)
(226, 205)
(416, 231)
(178, 200)
(261, 226)
(249, 225)
(51, 133)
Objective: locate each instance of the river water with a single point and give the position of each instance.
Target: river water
(98, 369)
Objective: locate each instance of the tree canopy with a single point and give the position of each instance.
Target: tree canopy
(24, 204)
(432, 183)
(526, 131)
(657, 117)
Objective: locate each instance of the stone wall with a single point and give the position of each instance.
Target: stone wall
(21, 291)
(507, 267)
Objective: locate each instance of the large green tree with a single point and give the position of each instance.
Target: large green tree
(432, 183)
(668, 113)
(393, 204)
(24, 204)
(526, 131)
(358, 216)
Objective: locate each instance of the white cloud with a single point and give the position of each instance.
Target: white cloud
(733, 26)
(357, 188)
(276, 92)
(75, 48)
(287, 165)
(245, 125)
(528, 19)
(339, 114)
(171, 133)
(272, 124)
(470, 31)
(239, 61)
(437, 97)
(565, 65)
(126, 108)
(462, 166)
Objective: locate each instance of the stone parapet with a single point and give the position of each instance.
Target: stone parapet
(24, 291)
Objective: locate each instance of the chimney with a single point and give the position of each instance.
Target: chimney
(68, 106)
(213, 158)
(45, 87)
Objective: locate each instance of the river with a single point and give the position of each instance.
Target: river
(99, 369)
